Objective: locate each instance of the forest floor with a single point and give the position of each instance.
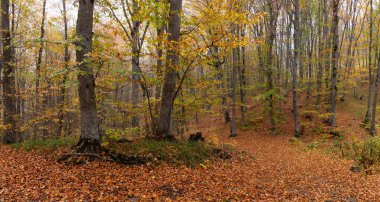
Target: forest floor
(270, 169)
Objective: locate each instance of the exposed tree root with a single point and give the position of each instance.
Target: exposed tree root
(80, 158)
(108, 156)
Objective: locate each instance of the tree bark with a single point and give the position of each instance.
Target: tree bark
(62, 90)
(9, 90)
(271, 32)
(160, 34)
(295, 66)
(135, 34)
(375, 96)
(370, 74)
(234, 68)
(242, 81)
(335, 57)
(322, 44)
(38, 68)
(89, 137)
(171, 74)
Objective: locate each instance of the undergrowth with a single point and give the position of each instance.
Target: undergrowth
(365, 153)
(46, 143)
(176, 153)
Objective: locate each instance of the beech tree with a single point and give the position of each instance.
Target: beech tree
(335, 62)
(297, 36)
(38, 65)
(171, 74)
(89, 136)
(9, 89)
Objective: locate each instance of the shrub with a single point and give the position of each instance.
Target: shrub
(365, 153)
(370, 153)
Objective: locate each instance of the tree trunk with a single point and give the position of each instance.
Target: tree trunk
(295, 66)
(9, 90)
(62, 89)
(89, 137)
(373, 122)
(171, 74)
(335, 57)
(234, 68)
(271, 32)
(310, 54)
(289, 54)
(160, 34)
(322, 32)
(242, 81)
(135, 65)
(370, 74)
(38, 69)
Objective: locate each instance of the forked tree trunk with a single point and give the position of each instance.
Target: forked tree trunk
(171, 75)
(9, 90)
(89, 137)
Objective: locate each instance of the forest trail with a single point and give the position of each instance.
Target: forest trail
(278, 171)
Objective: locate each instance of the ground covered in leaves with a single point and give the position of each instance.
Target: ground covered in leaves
(270, 168)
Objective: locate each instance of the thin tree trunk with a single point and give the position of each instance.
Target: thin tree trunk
(135, 34)
(242, 81)
(89, 137)
(296, 64)
(322, 32)
(62, 90)
(373, 122)
(38, 68)
(370, 74)
(289, 55)
(234, 69)
(310, 54)
(160, 32)
(171, 74)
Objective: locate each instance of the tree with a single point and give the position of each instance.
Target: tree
(132, 16)
(62, 90)
(89, 136)
(375, 97)
(234, 68)
(295, 66)
(335, 57)
(271, 26)
(171, 74)
(370, 74)
(9, 90)
(38, 65)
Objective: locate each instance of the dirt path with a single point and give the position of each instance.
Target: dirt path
(279, 171)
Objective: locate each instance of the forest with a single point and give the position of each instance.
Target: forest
(189, 100)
